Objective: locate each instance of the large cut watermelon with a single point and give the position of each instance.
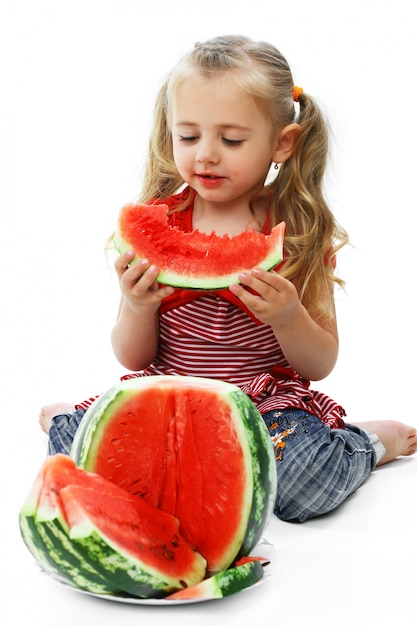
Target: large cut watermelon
(90, 533)
(195, 448)
(194, 260)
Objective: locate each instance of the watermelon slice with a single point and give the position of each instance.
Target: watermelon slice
(232, 580)
(195, 448)
(194, 260)
(94, 535)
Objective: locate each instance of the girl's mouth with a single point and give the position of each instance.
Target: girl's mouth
(210, 180)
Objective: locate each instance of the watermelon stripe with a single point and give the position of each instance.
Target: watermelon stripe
(69, 561)
(129, 573)
(264, 473)
(35, 544)
(48, 543)
(237, 578)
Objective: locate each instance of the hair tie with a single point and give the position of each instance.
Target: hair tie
(296, 92)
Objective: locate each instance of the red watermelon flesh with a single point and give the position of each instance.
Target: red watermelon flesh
(171, 462)
(130, 523)
(194, 260)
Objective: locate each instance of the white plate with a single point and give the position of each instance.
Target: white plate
(263, 549)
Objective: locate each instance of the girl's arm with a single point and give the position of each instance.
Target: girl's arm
(135, 335)
(310, 346)
(134, 338)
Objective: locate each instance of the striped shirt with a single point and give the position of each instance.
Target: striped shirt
(211, 334)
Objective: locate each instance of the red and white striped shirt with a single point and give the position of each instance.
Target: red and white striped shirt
(211, 334)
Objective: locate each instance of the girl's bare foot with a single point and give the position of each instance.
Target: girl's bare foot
(49, 411)
(399, 439)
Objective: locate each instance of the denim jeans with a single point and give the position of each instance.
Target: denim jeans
(62, 431)
(317, 467)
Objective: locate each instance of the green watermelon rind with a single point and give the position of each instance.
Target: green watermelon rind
(169, 276)
(71, 562)
(226, 583)
(263, 468)
(84, 444)
(49, 544)
(33, 541)
(132, 577)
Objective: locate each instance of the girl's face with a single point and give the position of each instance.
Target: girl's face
(223, 143)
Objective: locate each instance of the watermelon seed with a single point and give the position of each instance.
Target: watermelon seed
(139, 494)
(169, 554)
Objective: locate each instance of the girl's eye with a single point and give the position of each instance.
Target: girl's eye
(187, 138)
(232, 142)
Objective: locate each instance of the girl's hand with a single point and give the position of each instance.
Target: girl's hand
(276, 301)
(309, 346)
(138, 284)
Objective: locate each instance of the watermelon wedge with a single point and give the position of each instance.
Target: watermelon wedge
(194, 260)
(232, 580)
(195, 448)
(91, 534)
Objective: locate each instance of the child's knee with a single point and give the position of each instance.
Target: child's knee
(316, 483)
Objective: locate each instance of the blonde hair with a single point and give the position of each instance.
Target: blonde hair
(296, 194)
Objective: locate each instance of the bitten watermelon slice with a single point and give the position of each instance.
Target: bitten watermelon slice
(194, 260)
(94, 535)
(195, 448)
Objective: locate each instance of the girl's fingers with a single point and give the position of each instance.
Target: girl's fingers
(122, 263)
(142, 275)
(270, 277)
(262, 281)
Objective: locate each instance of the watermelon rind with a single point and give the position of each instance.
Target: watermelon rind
(47, 539)
(263, 469)
(226, 583)
(131, 575)
(180, 269)
(87, 560)
(29, 531)
(85, 442)
(254, 438)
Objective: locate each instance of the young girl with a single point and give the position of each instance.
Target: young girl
(225, 114)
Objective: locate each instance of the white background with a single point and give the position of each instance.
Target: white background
(78, 82)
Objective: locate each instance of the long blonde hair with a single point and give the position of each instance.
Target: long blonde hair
(313, 235)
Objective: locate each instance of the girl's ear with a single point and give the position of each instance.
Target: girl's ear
(286, 142)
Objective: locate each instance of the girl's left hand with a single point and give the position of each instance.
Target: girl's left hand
(276, 301)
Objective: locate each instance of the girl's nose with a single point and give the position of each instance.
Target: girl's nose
(207, 152)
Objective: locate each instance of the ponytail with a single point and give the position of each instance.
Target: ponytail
(312, 233)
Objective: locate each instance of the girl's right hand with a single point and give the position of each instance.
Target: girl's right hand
(138, 284)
